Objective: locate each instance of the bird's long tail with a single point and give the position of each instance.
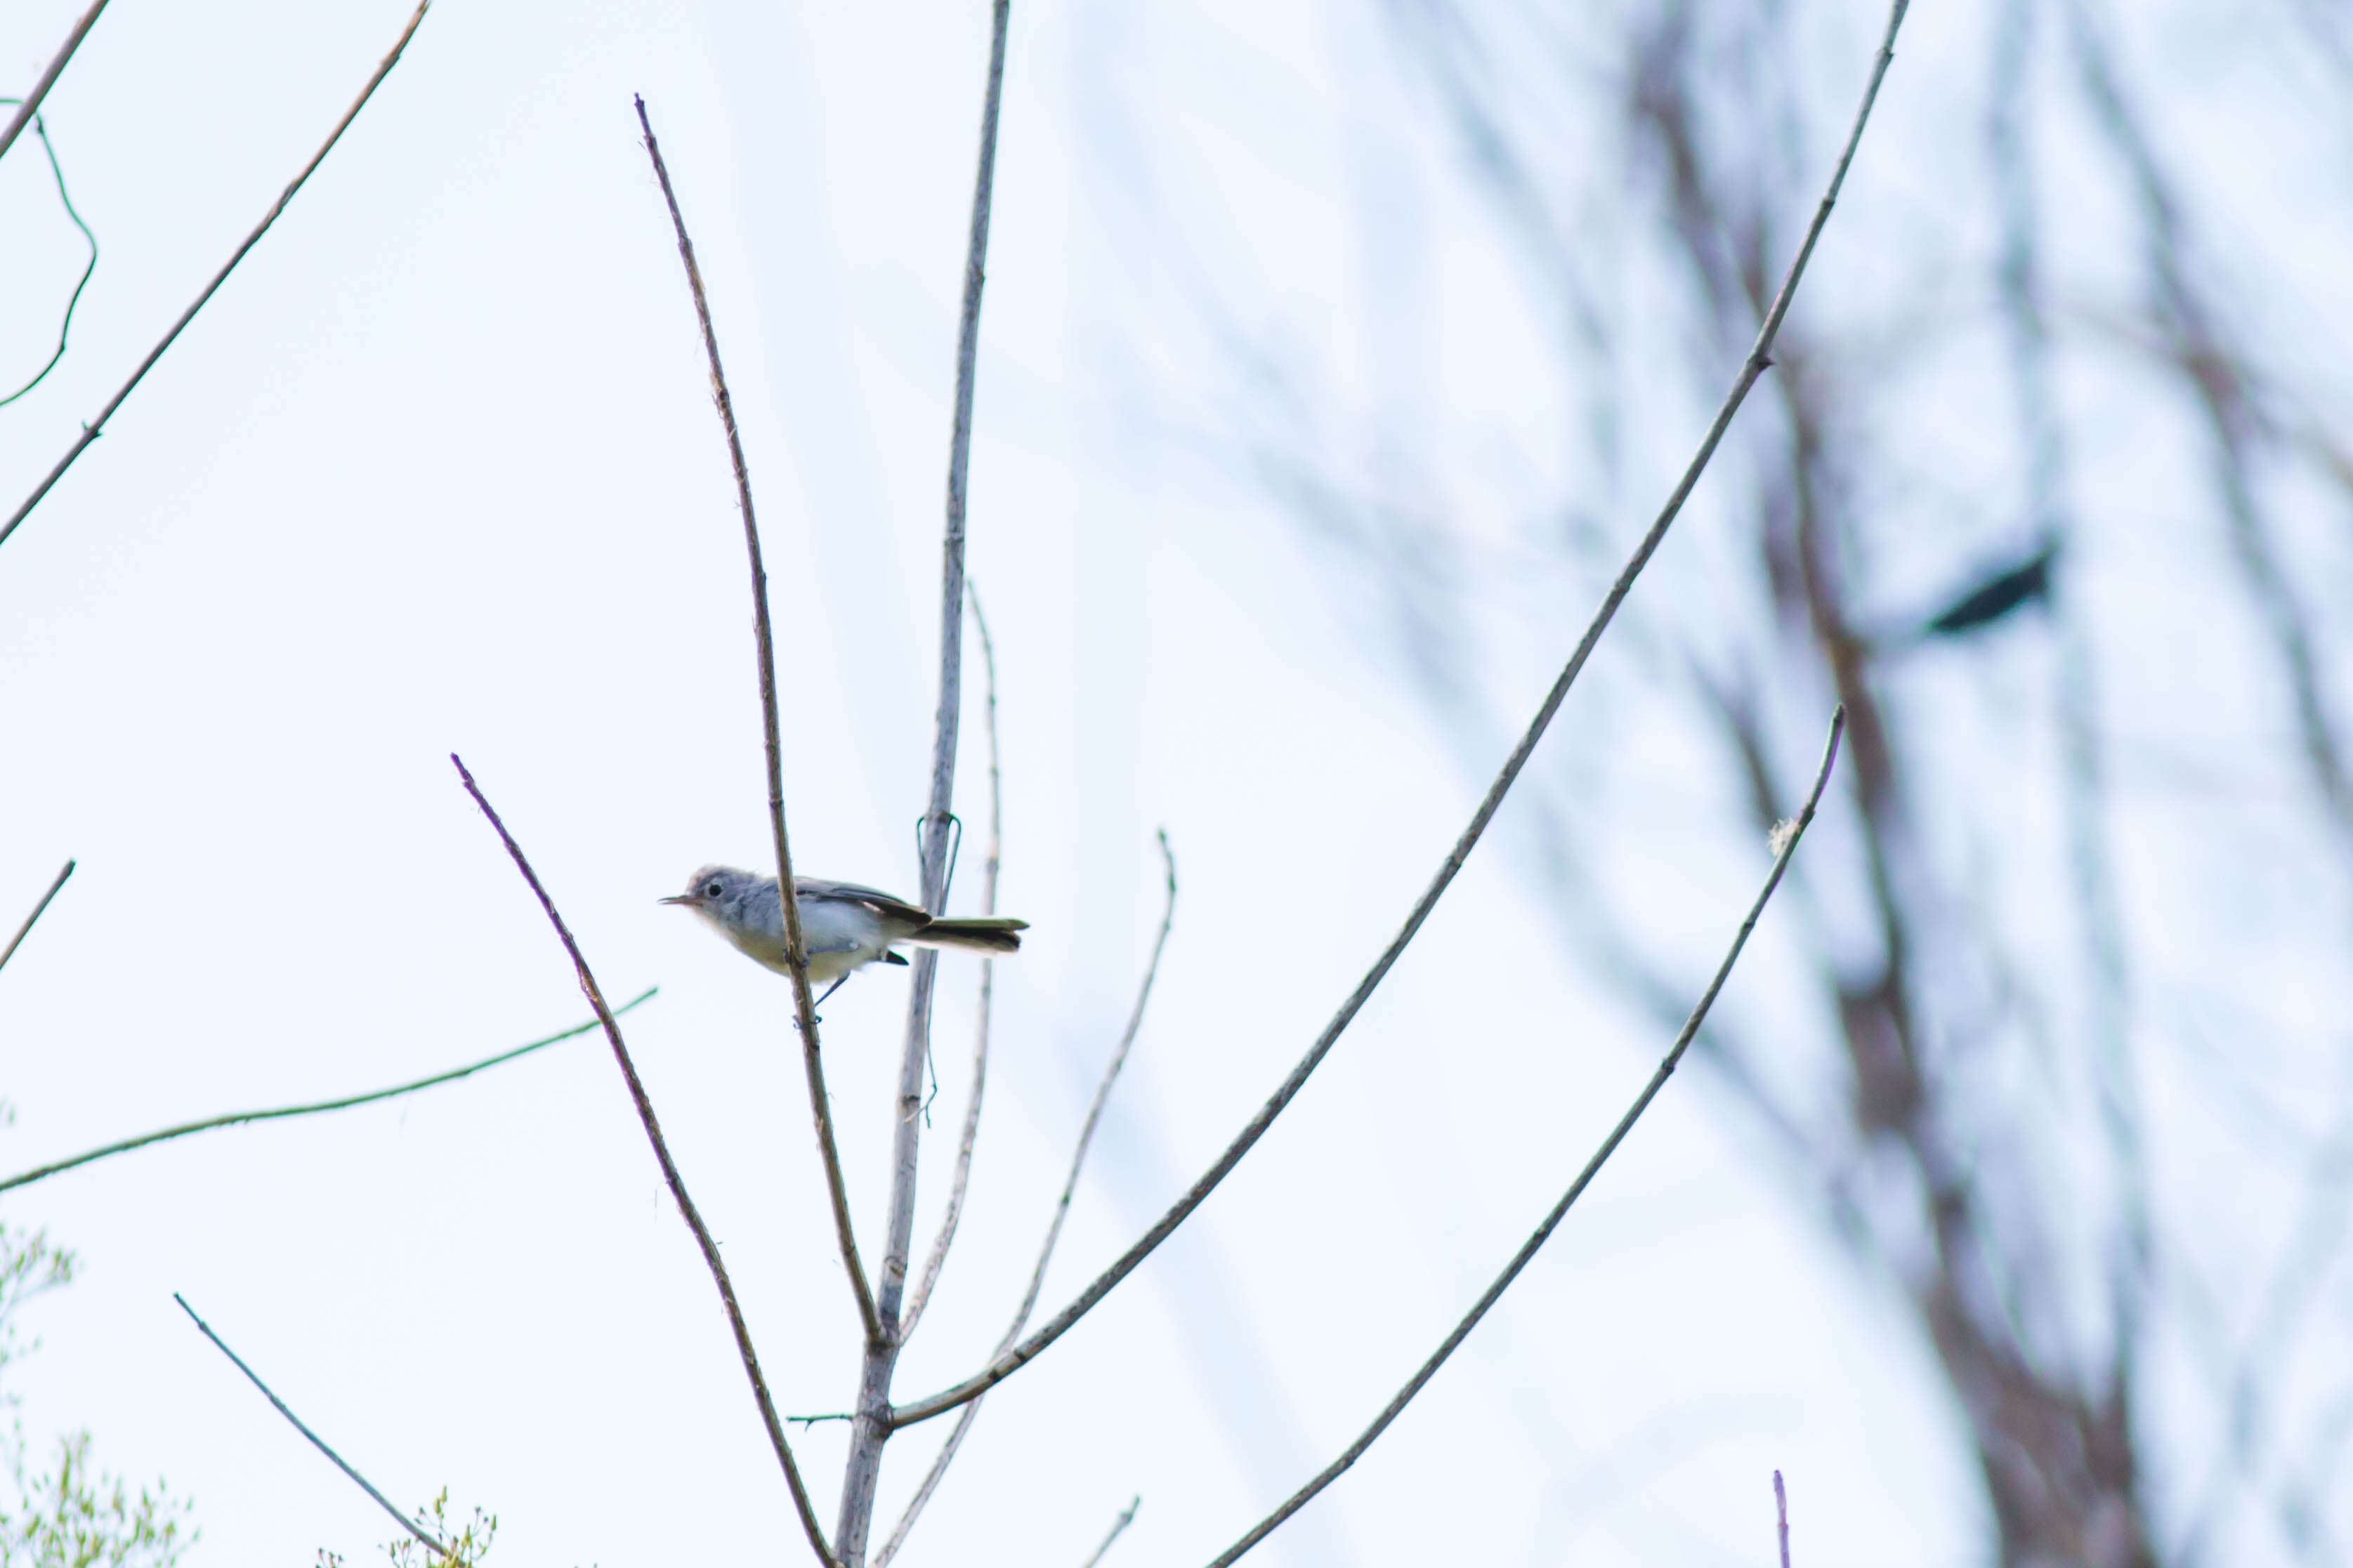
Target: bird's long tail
(981, 934)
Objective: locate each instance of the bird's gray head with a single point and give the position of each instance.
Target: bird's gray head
(719, 894)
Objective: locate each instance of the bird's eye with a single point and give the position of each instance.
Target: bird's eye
(713, 890)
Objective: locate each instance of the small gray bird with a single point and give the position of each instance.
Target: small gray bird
(846, 926)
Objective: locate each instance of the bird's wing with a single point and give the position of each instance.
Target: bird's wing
(881, 902)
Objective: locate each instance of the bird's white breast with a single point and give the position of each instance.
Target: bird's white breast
(841, 935)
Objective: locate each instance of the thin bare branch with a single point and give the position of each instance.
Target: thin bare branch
(922, 1295)
(863, 1470)
(1781, 1511)
(795, 945)
(1785, 849)
(90, 431)
(237, 1117)
(1103, 1090)
(1759, 357)
(971, 1412)
(1123, 1521)
(26, 930)
(317, 1442)
(669, 1175)
(32, 104)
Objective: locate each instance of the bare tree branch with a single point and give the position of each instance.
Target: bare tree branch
(1062, 1211)
(91, 431)
(32, 104)
(1786, 847)
(1103, 1090)
(921, 1296)
(872, 1428)
(669, 1175)
(1121, 1523)
(26, 930)
(1759, 357)
(237, 1117)
(796, 946)
(1781, 1514)
(2211, 368)
(317, 1442)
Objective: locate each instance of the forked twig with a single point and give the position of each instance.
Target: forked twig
(90, 431)
(317, 1442)
(32, 104)
(795, 945)
(1760, 355)
(1121, 1523)
(669, 1175)
(971, 1411)
(918, 1298)
(1787, 846)
(237, 1117)
(26, 930)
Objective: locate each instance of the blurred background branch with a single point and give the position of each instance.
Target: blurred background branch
(2041, 497)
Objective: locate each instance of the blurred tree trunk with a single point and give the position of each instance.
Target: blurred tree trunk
(2047, 494)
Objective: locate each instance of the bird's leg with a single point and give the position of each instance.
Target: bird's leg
(820, 951)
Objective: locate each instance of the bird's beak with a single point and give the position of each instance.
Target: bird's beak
(679, 899)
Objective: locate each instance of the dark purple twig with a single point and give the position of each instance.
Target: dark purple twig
(669, 1175)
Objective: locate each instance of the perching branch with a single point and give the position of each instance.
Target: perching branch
(237, 1118)
(1128, 1518)
(872, 1428)
(795, 947)
(1781, 1512)
(91, 431)
(669, 1175)
(1786, 847)
(317, 1442)
(921, 1296)
(1759, 357)
(32, 104)
(1062, 1211)
(26, 930)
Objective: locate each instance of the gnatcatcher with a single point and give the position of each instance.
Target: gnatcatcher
(846, 926)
